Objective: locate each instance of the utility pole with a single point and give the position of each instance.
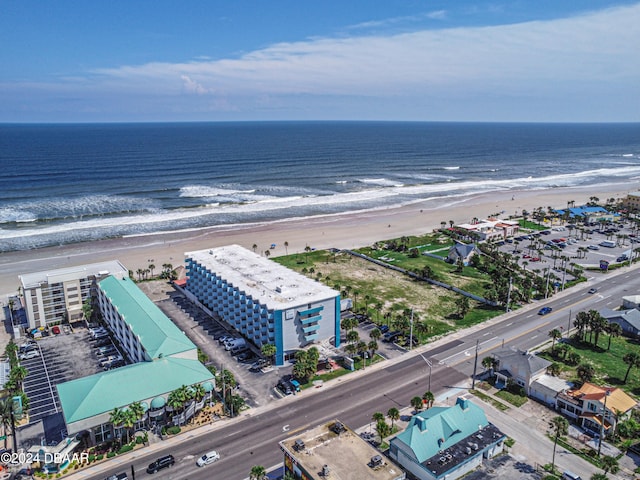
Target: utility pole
(569, 324)
(509, 294)
(411, 331)
(224, 392)
(430, 365)
(546, 289)
(475, 367)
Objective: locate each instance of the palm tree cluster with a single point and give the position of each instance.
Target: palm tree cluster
(227, 383)
(17, 374)
(127, 418)
(590, 325)
(168, 272)
(306, 364)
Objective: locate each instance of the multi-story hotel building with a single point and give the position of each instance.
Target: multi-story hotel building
(162, 360)
(55, 296)
(264, 301)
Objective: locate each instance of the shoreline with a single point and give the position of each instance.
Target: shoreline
(344, 230)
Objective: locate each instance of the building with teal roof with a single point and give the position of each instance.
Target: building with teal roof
(163, 360)
(446, 442)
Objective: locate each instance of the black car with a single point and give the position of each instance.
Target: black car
(285, 387)
(160, 463)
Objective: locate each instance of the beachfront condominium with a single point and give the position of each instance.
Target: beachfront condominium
(56, 296)
(264, 301)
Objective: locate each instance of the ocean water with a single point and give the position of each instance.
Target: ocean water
(72, 183)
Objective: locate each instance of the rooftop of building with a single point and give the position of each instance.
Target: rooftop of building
(521, 361)
(347, 456)
(155, 331)
(272, 284)
(617, 399)
(443, 437)
(35, 279)
(100, 393)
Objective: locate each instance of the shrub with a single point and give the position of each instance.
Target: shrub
(125, 449)
(92, 458)
(139, 440)
(100, 457)
(173, 430)
(111, 454)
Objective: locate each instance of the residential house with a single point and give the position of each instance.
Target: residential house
(629, 320)
(631, 301)
(446, 442)
(586, 405)
(522, 368)
(492, 229)
(461, 251)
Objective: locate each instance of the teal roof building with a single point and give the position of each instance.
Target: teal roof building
(162, 357)
(446, 442)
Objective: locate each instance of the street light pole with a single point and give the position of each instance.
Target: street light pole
(604, 413)
(430, 365)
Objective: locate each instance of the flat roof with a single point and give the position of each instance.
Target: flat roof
(112, 267)
(89, 396)
(274, 285)
(346, 454)
(156, 332)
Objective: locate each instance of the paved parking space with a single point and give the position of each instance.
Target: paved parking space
(62, 358)
(257, 388)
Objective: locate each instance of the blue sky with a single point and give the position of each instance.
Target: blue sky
(85, 61)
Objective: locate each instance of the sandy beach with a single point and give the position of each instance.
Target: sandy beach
(340, 231)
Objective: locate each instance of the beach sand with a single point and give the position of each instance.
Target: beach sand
(340, 231)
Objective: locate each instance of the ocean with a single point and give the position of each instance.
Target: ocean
(73, 183)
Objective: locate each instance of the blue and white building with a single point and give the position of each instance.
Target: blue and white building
(264, 301)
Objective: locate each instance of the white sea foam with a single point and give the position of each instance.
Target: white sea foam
(451, 168)
(383, 182)
(199, 191)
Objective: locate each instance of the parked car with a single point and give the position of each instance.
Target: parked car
(160, 463)
(593, 247)
(258, 365)
(383, 328)
(208, 458)
(593, 290)
(391, 336)
(56, 330)
(118, 476)
(285, 387)
(545, 310)
(30, 354)
(245, 356)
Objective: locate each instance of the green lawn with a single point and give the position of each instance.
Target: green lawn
(515, 400)
(610, 369)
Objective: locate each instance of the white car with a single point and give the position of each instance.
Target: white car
(29, 354)
(208, 458)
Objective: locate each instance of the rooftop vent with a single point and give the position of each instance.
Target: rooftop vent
(325, 470)
(376, 461)
(338, 428)
(298, 445)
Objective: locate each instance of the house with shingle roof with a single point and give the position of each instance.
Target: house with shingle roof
(629, 320)
(522, 368)
(446, 442)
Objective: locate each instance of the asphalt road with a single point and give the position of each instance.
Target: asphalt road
(253, 439)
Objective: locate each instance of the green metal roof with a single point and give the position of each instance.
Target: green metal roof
(441, 427)
(90, 396)
(158, 334)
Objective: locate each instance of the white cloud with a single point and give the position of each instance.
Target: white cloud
(565, 65)
(596, 47)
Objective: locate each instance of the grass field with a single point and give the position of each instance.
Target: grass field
(387, 294)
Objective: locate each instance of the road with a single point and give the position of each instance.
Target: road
(253, 438)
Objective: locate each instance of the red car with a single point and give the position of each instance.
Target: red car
(56, 330)
(526, 256)
(535, 259)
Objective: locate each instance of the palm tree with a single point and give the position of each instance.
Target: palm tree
(267, 253)
(286, 247)
(555, 334)
(268, 350)
(610, 464)
(151, 268)
(258, 472)
(383, 429)
(198, 392)
(633, 360)
(488, 362)
(416, 402)
(377, 416)
(429, 398)
(6, 417)
(373, 347)
(352, 336)
(137, 409)
(128, 421)
(139, 272)
(116, 418)
(553, 369)
(614, 330)
(560, 427)
(598, 476)
(375, 334)
(394, 414)
(585, 372)
(254, 247)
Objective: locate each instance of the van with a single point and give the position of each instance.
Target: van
(567, 475)
(236, 342)
(607, 243)
(238, 349)
(208, 458)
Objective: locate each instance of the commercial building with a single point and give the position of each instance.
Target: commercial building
(164, 360)
(489, 230)
(333, 450)
(264, 301)
(446, 442)
(631, 202)
(56, 296)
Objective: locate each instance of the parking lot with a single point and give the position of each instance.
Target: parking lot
(539, 251)
(60, 358)
(256, 387)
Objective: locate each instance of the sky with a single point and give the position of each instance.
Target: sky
(245, 60)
